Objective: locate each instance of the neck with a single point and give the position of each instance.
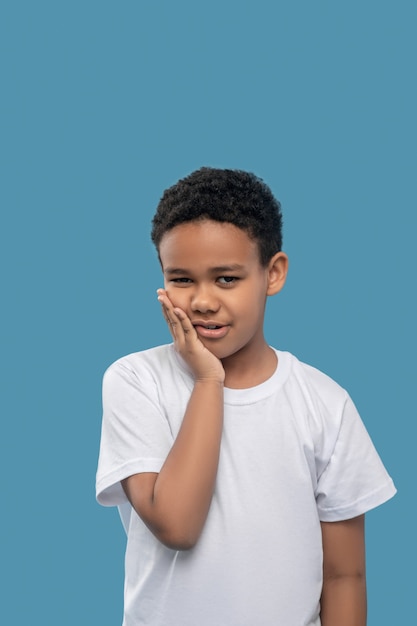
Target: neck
(248, 370)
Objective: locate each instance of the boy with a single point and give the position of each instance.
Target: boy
(242, 475)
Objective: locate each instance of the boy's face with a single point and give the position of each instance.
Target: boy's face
(213, 273)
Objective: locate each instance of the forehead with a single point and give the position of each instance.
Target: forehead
(207, 243)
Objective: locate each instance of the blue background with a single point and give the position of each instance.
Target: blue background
(103, 106)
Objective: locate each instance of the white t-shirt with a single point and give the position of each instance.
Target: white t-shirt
(294, 452)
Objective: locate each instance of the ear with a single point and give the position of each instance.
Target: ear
(277, 273)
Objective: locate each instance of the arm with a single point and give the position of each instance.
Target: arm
(343, 600)
(174, 503)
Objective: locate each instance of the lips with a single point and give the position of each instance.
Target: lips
(211, 330)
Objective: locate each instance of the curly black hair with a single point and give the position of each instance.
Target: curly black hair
(223, 195)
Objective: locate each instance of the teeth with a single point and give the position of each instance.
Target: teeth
(211, 327)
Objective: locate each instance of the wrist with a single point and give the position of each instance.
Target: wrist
(209, 381)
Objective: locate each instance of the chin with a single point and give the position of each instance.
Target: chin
(218, 351)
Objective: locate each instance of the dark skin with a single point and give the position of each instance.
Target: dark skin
(343, 600)
(174, 503)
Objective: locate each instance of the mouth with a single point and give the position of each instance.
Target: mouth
(211, 331)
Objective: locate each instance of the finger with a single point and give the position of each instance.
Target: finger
(185, 322)
(179, 323)
(165, 313)
(171, 320)
(170, 316)
(164, 300)
(166, 309)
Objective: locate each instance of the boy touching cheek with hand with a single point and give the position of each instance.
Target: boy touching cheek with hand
(242, 474)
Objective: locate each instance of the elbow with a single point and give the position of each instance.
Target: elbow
(175, 530)
(180, 546)
(176, 536)
(177, 540)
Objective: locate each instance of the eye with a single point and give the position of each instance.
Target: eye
(181, 280)
(227, 280)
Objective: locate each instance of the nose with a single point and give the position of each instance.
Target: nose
(204, 300)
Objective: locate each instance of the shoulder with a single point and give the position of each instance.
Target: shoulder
(313, 383)
(317, 404)
(149, 366)
(145, 360)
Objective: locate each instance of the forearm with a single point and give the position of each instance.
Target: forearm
(185, 484)
(343, 601)
(176, 504)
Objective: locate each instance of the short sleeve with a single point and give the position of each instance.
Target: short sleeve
(354, 480)
(135, 435)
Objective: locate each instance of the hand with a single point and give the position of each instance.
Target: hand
(204, 365)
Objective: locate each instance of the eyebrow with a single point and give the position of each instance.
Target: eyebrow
(234, 267)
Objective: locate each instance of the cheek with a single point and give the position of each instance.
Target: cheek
(177, 297)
